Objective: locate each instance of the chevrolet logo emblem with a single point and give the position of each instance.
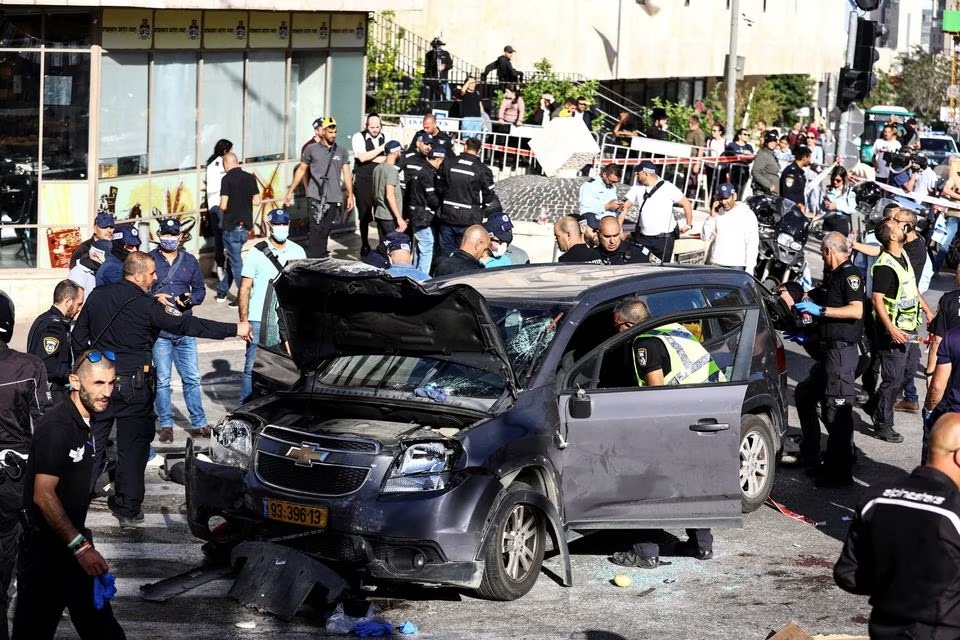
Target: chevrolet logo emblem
(306, 454)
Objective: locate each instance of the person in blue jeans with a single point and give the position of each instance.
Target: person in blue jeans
(264, 262)
(239, 194)
(179, 285)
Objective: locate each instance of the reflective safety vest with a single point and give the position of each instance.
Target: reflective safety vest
(690, 363)
(904, 310)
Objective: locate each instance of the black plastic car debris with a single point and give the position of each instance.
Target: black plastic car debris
(163, 590)
(278, 579)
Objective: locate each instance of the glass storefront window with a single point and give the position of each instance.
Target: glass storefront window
(266, 106)
(20, 30)
(66, 115)
(173, 113)
(69, 29)
(19, 155)
(307, 98)
(346, 89)
(124, 91)
(221, 95)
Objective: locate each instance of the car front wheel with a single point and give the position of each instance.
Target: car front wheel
(757, 461)
(513, 553)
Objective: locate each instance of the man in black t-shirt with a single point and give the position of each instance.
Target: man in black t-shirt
(58, 562)
(239, 194)
(569, 238)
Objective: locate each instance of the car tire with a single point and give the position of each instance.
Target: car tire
(757, 462)
(513, 552)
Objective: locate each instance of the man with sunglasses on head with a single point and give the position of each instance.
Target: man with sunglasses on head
(126, 319)
(23, 397)
(58, 562)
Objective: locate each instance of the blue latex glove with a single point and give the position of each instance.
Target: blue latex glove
(926, 415)
(808, 306)
(369, 628)
(408, 628)
(434, 393)
(104, 590)
(797, 338)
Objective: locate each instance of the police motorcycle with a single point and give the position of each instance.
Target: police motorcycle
(783, 235)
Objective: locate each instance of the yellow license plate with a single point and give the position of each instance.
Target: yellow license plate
(295, 513)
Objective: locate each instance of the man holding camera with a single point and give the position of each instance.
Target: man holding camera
(832, 381)
(180, 286)
(887, 144)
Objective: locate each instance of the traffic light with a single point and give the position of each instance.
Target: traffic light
(857, 80)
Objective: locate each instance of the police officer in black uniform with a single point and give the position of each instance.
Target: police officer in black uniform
(49, 337)
(615, 250)
(901, 549)
(23, 399)
(467, 186)
(58, 562)
(125, 319)
(841, 329)
(792, 180)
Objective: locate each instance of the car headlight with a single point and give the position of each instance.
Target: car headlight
(423, 466)
(232, 443)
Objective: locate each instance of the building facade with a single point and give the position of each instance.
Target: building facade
(117, 109)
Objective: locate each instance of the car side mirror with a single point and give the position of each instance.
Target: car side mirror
(579, 405)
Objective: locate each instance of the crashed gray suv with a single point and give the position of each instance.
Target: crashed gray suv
(438, 433)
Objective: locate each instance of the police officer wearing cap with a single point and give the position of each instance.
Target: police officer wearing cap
(832, 381)
(264, 262)
(103, 226)
(125, 241)
(793, 181)
(23, 400)
(49, 337)
(468, 195)
(179, 284)
(126, 319)
(655, 198)
(766, 170)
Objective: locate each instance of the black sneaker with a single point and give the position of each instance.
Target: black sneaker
(631, 559)
(888, 435)
(690, 549)
(233, 304)
(130, 523)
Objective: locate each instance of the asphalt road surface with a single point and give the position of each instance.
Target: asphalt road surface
(772, 570)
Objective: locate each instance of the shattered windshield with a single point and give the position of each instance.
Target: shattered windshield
(526, 330)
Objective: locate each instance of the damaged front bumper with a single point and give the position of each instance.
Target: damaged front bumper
(426, 539)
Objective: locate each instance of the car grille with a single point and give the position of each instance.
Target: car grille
(324, 442)
(317, 479)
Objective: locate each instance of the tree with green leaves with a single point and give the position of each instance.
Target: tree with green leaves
(394, 89)
(922, 82)
(544, 80)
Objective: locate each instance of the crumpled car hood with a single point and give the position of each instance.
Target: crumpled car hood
(334, 308)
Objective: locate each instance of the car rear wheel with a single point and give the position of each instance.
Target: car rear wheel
(513, 552)
(757, 461)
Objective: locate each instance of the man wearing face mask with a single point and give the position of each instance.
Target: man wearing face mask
(126, 240)
(502, 251)
(263, 263)
(179, 285)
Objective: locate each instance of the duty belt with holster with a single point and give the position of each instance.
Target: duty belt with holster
(139, 379)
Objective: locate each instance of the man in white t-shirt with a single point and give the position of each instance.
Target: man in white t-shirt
(655, 199)
(732, 228)
(887, 143)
